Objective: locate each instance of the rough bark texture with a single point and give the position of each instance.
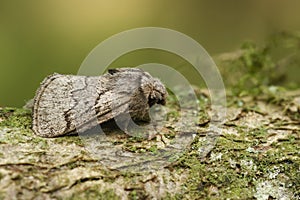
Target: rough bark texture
(257, 156)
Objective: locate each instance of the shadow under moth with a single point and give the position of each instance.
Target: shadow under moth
(64, 103)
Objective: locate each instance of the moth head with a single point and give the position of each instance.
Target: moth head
(158, 93)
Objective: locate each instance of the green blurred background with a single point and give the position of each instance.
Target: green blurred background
(41, 37)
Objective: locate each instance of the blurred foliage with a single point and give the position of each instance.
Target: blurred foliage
(254, 67)
(41, 37)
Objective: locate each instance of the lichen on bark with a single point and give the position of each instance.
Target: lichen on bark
(257, 156)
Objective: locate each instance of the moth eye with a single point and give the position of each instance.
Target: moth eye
(161, 100)
(151, 101)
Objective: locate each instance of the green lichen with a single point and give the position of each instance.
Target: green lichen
(240, 166)
(137, 194)
(235, 173)
(93, 193)
(15, 117)
(71, 139)
(240, 163)
(250, 159)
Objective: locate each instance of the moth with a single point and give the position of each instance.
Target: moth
(65, 102)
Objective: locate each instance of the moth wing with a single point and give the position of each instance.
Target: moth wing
(51, 101)
(121, 99)
(65, 102)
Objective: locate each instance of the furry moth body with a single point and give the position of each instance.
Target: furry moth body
(65, 102)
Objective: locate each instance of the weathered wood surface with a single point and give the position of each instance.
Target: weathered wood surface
(257, 156)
